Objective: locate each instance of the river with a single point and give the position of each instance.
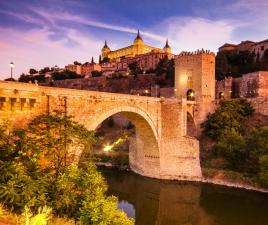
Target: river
(155, 202)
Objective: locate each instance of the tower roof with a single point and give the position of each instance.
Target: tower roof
(138, 37)
(167, 45)
(105, 45)
(138, 40)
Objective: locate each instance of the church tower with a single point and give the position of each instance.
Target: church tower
(167, 48)
(105, 50)
(138, 40)
(195, 76)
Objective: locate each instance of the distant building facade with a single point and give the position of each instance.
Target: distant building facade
(252, 85)
(255, 47)
(87, 68)
(74, 68)
(146, 56)
(137, 48)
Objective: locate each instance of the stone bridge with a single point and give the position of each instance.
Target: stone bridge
(160, 147)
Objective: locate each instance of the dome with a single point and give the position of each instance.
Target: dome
(138, 40)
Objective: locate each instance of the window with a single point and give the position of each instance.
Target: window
(12, 103)
(2, 101)
(32, 103)
(22, 103)
(262, 47)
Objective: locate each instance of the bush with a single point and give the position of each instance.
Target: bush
(232, 148)
(228, 116)
(263, 174)
(38, 168)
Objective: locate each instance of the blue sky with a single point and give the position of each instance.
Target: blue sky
(35, 33)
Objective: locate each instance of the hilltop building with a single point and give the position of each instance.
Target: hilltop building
(147, 57)
(137, 48)
(257, 47)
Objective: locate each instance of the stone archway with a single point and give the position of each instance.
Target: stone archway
(144, 154)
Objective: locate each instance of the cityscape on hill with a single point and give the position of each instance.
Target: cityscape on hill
(133, 112)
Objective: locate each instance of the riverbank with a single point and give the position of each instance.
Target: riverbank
(231, 179)
(212, 176)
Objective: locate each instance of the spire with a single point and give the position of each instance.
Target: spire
(92, 60)
(138, 34)
(167, 45)
(105, 45)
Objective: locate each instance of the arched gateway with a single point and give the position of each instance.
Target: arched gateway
(160, 148)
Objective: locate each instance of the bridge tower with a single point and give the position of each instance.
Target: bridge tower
(195, 84)
(195, 76)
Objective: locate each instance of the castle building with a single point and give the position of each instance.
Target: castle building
(195, 76)
(137, 48)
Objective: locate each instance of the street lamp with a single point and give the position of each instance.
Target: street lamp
(11, 69)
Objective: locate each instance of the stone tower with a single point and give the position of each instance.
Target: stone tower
(105, 50)
(167, 48)
(195, 76)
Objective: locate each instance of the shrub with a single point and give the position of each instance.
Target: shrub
(263, 174)
(228, 116)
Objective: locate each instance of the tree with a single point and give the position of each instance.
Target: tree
(32, 71)
(38, 168)
(263, 174)
(232, 147)
(65, 75)
(105, 60)
(96, 73)
(134, 68)
(162, 66)
(44, 70)
(77, 63)
(235, 63)
(228, 116)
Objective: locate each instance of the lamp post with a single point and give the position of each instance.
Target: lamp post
(11, 69)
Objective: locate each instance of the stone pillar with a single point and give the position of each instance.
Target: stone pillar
(179, 154)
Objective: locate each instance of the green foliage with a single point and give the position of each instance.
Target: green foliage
(235, 64)
(228, 116)
(232, 147)
(33, 71)
(38, 167)
(77, 63)
(263, 174)
(134, 68)
(105, 60)
(65, 75)
(30, 78)
(96, 73)
(245, 153)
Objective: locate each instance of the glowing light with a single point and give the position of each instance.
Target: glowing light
(192, 94)
(107, 148)
(11, 65)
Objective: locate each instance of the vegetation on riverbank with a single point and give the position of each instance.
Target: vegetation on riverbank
(236, 151)
(39, 170)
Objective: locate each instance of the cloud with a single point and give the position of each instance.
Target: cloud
(189, 33)
(65, 16)
(35, 49)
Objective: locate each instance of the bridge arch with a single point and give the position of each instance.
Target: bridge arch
(144, 154)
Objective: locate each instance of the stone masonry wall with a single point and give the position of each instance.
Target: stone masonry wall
(160, 148)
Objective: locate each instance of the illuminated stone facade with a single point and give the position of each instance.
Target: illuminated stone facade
(195, 76)
(138, 48)
(160, 147)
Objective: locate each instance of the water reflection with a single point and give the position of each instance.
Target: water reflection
(172, 203)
